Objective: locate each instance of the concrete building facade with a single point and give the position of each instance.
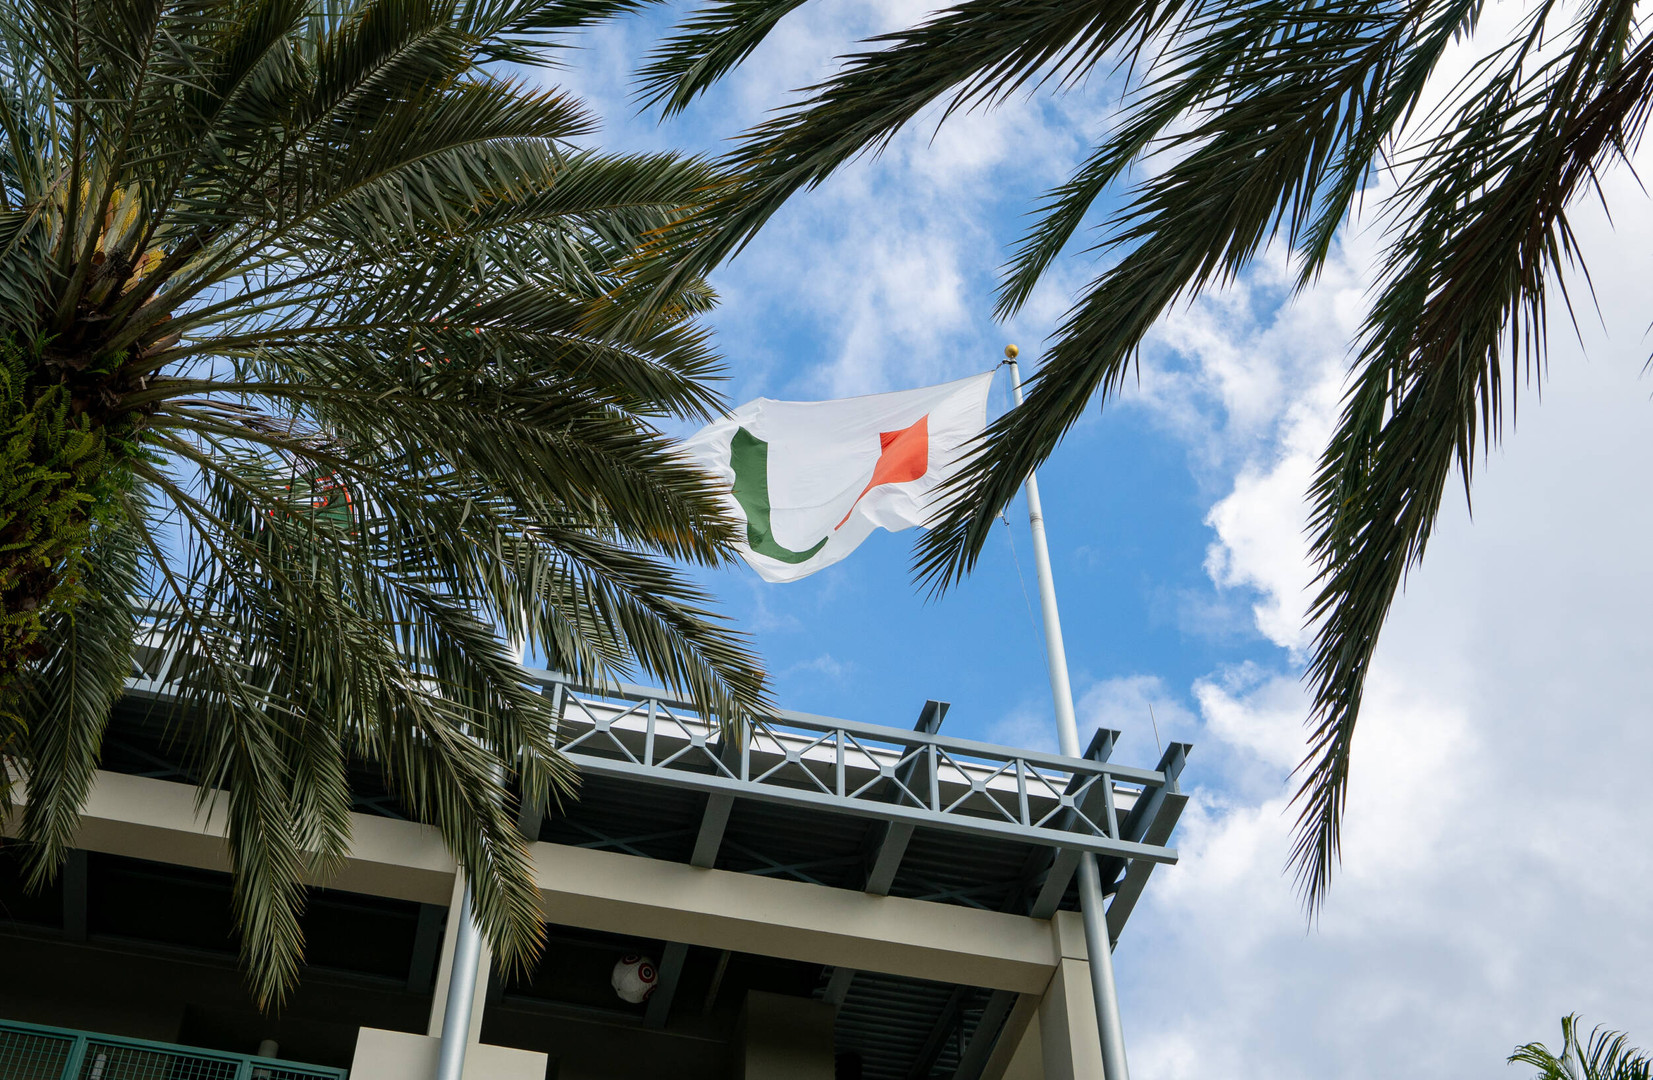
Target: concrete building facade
(830, 901)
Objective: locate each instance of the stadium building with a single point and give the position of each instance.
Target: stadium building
(831, 900)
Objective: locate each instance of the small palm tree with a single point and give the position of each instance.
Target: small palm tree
(1606, 1056)
(314, 337)
(1265, 123)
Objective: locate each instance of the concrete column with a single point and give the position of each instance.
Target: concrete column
(784, 1038)
(1068, 1038)
(398, 1055)
(444, 970)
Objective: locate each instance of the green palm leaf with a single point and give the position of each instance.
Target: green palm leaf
(326, 344)
(1264, 122)
(1606, 1055)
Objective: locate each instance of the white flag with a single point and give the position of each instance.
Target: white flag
(812, 479)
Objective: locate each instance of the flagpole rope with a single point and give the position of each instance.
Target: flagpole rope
(1010, 534)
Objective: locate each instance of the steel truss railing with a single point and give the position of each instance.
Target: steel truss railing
(881, 773)
(911, 777)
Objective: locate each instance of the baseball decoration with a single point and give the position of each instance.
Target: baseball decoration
(634, 978)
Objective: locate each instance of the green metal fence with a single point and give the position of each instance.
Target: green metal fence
(35, 1052)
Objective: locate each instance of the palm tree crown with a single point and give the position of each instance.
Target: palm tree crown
(1606, 1055)
(317, 334)
(1266, 121)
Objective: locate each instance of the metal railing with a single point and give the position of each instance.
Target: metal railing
(910, 777)
(937, 781)
(37, 1052)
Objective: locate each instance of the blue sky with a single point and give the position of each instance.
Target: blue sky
(1495, 868)
(844, 295)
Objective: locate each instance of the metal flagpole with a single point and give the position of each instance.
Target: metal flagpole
(464, 971)
(1091, 903)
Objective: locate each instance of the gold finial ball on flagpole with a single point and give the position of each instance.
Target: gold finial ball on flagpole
(1010, 352)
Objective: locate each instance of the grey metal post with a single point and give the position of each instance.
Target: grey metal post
(467, 944)
(456, 1018)
(1092, 905)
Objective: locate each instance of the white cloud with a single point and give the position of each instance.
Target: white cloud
(761, 614)
(1254, 711)
(1251, 384)
(886, 264)
(1495, 872)
(1495, 868)
(1126, 703)
(1030, 726)
(1134, 703)
(823, 664)
(892, 254)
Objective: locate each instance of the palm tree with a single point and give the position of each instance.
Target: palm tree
(315, 337)
(1265, 123)
(1604, 1057)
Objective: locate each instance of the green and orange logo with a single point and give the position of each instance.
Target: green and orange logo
(904, 456)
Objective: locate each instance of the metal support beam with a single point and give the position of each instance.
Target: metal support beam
(838, 985)
(931, 716)
(427, 942)
(665, 988)
(1062, 869)
(886, 842)
(936, 1041)
(714, 820)
(1064, 862)
(1102, 744)
(980, 1048)
(717, 982)
(1148, 810)
(890, 849)
(1128, 890)
(1152, 821)
(74, 895)
(1155, 814)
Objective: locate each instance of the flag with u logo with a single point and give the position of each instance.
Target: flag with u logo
(812, 479)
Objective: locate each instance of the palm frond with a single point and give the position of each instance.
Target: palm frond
(1606, 1055)
(1263, 123)
(711, 43)
(67, 698)
(1296, 87)
(1466, 291)
(355, 327)
(973, 53)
